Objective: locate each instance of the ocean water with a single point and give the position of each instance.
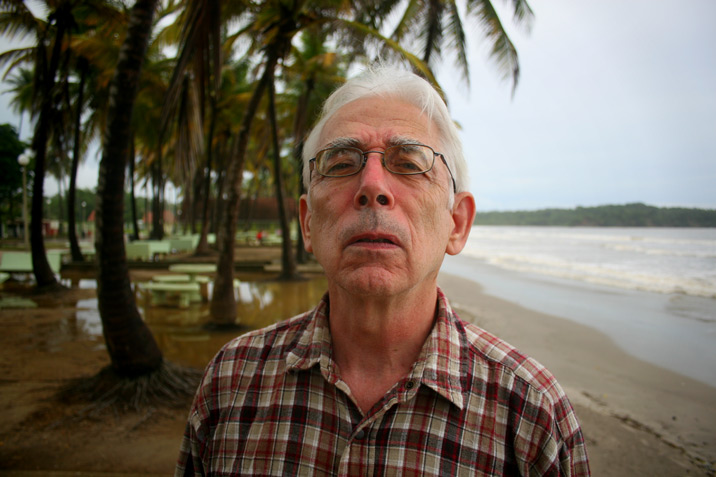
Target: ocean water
(660, 260)
(652, 290)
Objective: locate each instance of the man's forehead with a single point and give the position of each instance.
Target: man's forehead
(375, 121)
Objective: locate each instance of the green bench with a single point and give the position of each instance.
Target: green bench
(183, 244)
(202, 280)
(146, 250)
(166, 293)
(21, 262)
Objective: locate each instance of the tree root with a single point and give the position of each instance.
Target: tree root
(169, 386)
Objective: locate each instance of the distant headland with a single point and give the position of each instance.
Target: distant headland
(628, 215)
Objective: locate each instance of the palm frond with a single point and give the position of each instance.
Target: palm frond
(14, 58)
(502, 50)
(413, 60)
(523, 14)
(458, 41)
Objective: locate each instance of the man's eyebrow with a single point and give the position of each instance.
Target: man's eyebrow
(344, 142)
(353, 142)
(402, 140)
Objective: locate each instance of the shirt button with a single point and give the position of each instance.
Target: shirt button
(360, 434)
(409, 384)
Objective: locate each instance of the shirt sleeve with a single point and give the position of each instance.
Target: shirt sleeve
(192, 453)
(189, 463)
(549, 440)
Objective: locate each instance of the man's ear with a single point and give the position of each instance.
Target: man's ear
(463, 216)
(305, 220)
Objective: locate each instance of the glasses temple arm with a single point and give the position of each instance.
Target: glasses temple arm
(454, 184)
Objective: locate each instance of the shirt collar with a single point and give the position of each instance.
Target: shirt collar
(313, 345)
(440, 361)
(438, 366)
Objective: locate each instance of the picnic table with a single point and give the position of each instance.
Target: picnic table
(21, 262)
(146, 250)
(163, 293)
(184, 243)
(193, 270)
(186, 285)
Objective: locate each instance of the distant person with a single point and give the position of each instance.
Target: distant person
(382, 377)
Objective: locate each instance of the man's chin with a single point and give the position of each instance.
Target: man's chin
(370, 281)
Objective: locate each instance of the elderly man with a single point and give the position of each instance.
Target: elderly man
(382, 377)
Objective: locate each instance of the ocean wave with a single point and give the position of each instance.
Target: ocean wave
(613, 275)
(587, 234)
(661, 251)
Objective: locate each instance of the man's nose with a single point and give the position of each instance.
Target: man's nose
(374, 187)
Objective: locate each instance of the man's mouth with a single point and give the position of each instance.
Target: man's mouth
(378, 240)
(374, 238)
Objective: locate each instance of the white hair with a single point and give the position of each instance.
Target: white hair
(390, 82)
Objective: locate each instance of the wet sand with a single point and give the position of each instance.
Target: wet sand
(638, 419)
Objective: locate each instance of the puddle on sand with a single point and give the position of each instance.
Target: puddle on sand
(46, 322)
(180, 333)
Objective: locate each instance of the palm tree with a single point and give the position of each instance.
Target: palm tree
(288, 259)
(312, 75)
(272, 29)
(46, 69)
(130, 343)
(137, 368)
(16, 20)
(83, 69)
(54, 96)
(436, 24)
(47, 64)
(198, 76)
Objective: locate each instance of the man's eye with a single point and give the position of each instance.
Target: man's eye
(338, 167)
(339, 162)
(407, 164)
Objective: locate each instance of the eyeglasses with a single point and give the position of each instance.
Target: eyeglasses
(404, 159)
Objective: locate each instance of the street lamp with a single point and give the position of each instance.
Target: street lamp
(24, 159)
(84, 204)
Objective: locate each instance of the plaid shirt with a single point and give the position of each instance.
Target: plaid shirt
(272, 402)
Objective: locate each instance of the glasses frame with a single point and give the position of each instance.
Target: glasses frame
(364, 155)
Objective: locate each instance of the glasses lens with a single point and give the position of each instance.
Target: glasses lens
(409, 159)
(338, 161)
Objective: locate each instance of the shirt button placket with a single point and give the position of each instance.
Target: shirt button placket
(354, 460)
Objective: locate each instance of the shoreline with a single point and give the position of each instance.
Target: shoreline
(638, 418)
(672, 331)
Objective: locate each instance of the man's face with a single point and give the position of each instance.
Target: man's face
(378, 233)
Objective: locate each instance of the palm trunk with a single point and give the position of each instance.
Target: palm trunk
(132, 198)
(46, 77)
(130, 343)
(71, 195)
(157, 216)
(218, 208)
(288, 261)
(203, 247)
(223, 302)
(299, 130)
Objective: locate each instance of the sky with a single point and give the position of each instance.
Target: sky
(616, 103)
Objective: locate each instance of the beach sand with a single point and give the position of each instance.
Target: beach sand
(638, 419)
